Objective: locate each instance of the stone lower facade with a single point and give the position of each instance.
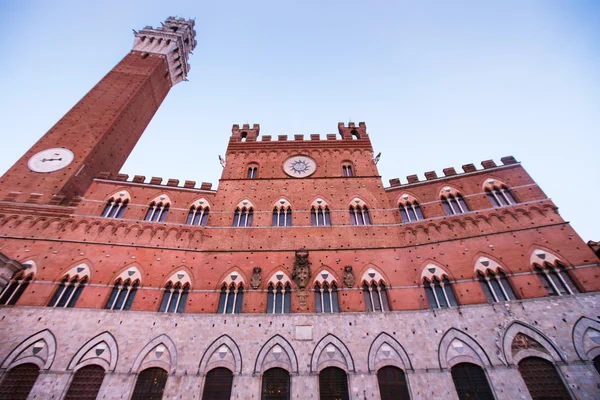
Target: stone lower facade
(425, 344)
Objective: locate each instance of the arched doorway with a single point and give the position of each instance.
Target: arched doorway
(275, 384)
(150, 384)
(470, 382)
(333, 384)
(86, 383)
(392, 384)
(18, 382)
(542, 379)
(217, 384)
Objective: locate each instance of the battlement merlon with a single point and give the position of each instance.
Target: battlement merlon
(175, 39)
(352, 131)
(245, 133)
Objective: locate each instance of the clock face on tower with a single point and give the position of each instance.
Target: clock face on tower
(299, 166)
(50, 160)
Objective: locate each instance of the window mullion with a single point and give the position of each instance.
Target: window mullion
(126, 297)
(559, 273)
(62, 293)
(500, 283)
(330, 299)
(459, 206)
(170, 298)
(14, 291)
(178, 299)
(112, 205)
(119, 288)
(152, 213)
(322, 300)
(437, 301)
(278, 215)
(193, 216)
(552, 282)
(235, 292)
(285, 217)
(226, 300)
(487, 281)
(362, 211)
(449, 201)
(6, 287)
(160, 211)
(283, 291)
(372, 301)
(274, 299)
(380, 300)
(503, 192)
(495, 194)
(415, 211)
(445, 295)
(75, 286)
(407, 214)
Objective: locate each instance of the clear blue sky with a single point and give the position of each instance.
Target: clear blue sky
(439, 84)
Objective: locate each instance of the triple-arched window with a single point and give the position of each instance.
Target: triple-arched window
(552, 273)
(375, 291)
(319, 213)
(17, 285)
(359, 213)
(124, 291)
(493, 280)
(243, 215)
(453, 201)
(198, 214)
(438, 287)
(499, 193)
(410, 210)
(175, 293)
(116, 205)
(231, 299)
(282, 213)
(158, 209)
(70, 288)
(279, 294)
(326, 293)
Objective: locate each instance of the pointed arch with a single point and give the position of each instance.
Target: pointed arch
(454, 349)
(540, 256)
(133, 272)
(343, 360)
(145, 359)
(161, 198)
(101, 350)
(370, 273)
(433, 269)
(552, 352)
(484, 262)
(280, 276)
(586, 328)
(378, 346)
(38, 349)
(265, 354)
(78, 270)
(324, 274)
(182, 276)
(235, 275)
(207, 362)
(120, 194)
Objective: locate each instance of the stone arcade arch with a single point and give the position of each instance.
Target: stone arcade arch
(222, 352)
(384, 351)
(101, 350)
(586, 338)
(330, 351)
(38, 349)
(457, 347)
(160, 352)
(549, 352)
(277, 352)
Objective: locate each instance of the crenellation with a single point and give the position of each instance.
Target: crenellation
(189, 184)
(508, 160)
(299, 137)
(430, 175)
(412, 178)
(282, 138)
(315, 136)
(156, 180)
(172, 182)
(487, 164)
(449, 171)
(122, 177)
(139, 179)
(469, 168)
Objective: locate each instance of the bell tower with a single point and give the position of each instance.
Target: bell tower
(100, 131)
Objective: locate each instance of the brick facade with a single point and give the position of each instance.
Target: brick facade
(53, 223)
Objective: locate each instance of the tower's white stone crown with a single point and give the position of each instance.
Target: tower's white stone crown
(175, 39)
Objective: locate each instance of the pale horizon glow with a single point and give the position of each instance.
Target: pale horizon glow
(439, 84)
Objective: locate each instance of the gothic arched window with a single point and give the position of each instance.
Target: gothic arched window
(542, 380)
(279, 294)
(122, 295)
(282, 213)
(231, 299)
(333, 384)
(243, 215)
(198, 214)
(150, 384)
(157, 211)
(392, 384)
(375, 296)
(496, 286)
(319, 213)
(359, 213)
(174, 298)
(326, 297)
(453, 201)
(439, 293)
(499, 193)
(347, 169)
(15, 288)
(217, 384)
(275, 384)
(18, 381)
(470, 382)
(68, 292)
(556, 279)
(252, 172)
(410, 210)
(86, 383)
(116, 205)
